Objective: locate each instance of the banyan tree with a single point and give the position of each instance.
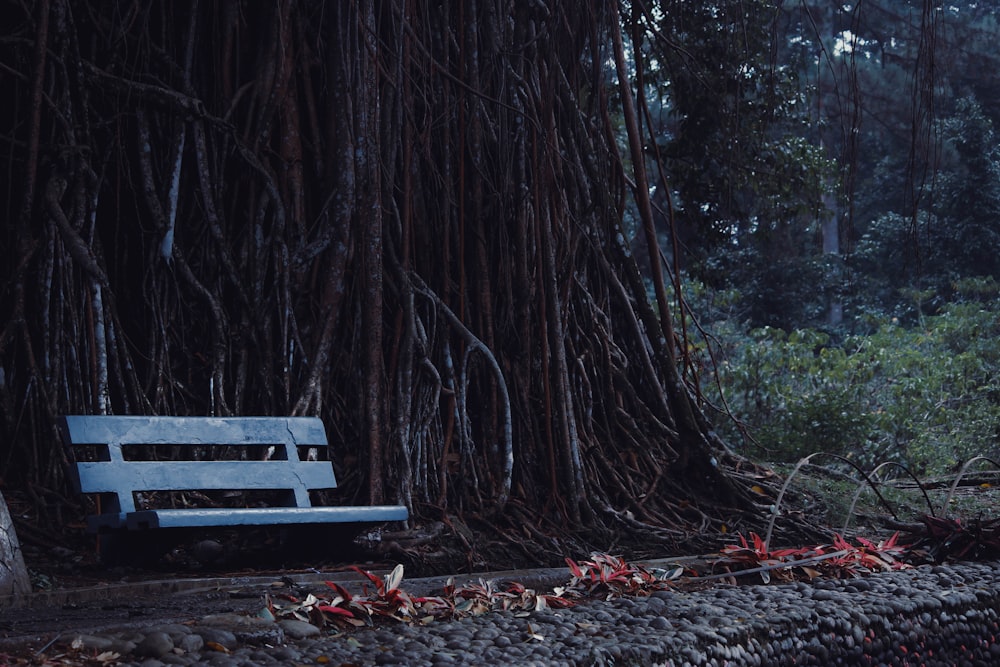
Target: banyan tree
(403, 217)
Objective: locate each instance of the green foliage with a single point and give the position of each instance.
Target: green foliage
(735, 137)
(924, 395)
(784, 291)
(954, 235)
(964, 239)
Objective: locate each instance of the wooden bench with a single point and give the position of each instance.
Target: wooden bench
(269, 460)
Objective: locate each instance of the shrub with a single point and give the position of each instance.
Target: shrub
(923, 395)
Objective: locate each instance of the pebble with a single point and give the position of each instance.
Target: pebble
(154, 645)
(659, 623)
(295, 629)
(950, 616)
(217, 637)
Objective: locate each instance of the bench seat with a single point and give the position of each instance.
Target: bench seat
(261, 516)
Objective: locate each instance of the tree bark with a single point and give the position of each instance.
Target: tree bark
(14, 579)
(369, 211)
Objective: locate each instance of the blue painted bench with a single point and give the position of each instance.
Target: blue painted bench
(270, 460)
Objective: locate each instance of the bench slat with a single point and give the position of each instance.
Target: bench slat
(263, 516)
(124, 477)
(302, 431)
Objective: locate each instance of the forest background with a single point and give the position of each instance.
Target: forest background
(433, 226)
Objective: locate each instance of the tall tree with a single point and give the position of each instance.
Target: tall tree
(731, 130)
(901, 85)
(405, 220)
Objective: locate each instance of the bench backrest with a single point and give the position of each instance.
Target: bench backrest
(283, 470)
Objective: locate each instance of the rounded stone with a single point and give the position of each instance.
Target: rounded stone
(286, 654)
(172, 629)
(297, 629)
(191, 643)
(154, 645)
(211, 635)
(152, 662)
(660, 623)
(541, 652)
(654, 604)
(625, 604)
(221, 660)
(94, 642)
(390, 658)
(486, 633)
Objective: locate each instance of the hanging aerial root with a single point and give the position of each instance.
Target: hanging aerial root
(474, 343)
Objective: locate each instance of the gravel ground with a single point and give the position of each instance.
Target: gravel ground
(940, 615)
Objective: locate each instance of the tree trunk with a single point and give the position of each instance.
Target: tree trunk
(407, 222)
(14, 580)
(831, 247)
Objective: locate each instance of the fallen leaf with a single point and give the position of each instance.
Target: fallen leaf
(107, 657)
(393, 578)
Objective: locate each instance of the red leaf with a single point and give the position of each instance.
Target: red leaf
(558, 602)
(340, 611)
(574, 569)
(379, 584)
(339, 590)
